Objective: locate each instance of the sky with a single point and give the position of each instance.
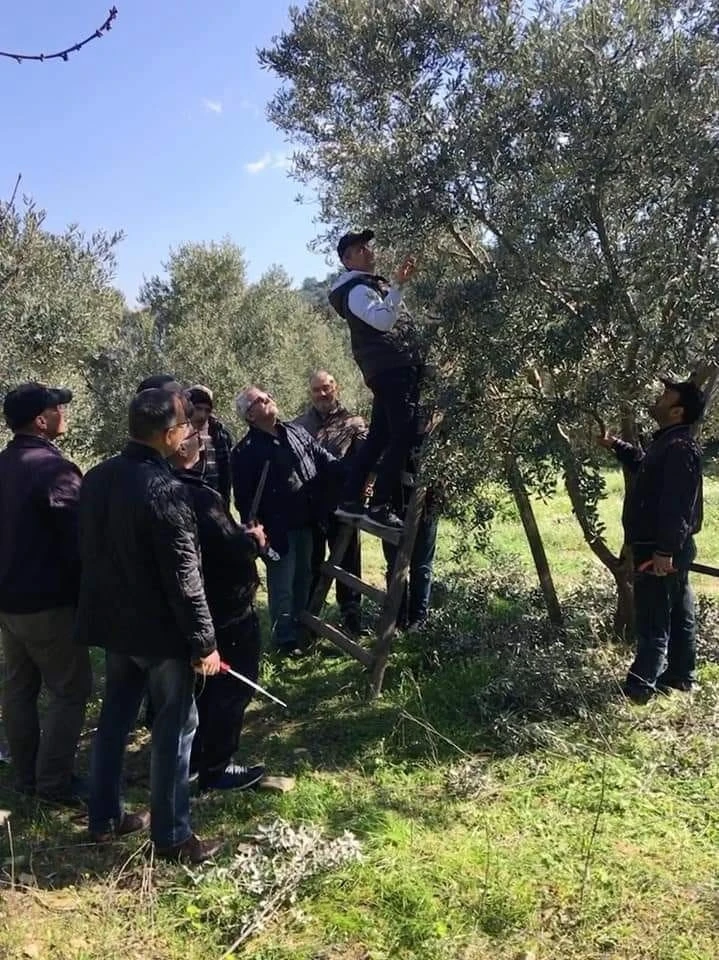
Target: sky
(158, 130)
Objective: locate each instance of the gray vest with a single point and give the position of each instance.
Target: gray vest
(376, 351)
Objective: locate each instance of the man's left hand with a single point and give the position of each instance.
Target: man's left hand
(257, 532)
(662, 565)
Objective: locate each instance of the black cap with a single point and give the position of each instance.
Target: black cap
(28, 400)
(200, 394)
(159, 381)
(691, 398)
(350, 239)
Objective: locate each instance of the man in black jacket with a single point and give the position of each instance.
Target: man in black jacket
(228, 553)
(39, 577)
(282, 479)
(662, 512)
(143, 600)
(385, 345)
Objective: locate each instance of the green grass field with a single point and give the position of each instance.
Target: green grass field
(546, 835)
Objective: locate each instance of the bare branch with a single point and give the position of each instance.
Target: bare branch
(65, 54)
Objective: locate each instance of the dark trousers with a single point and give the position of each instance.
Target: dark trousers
(171, 685)
(415, 603)
(392, 434)
(347, 598)
(222, 699)
(39, 649)
(665, 621)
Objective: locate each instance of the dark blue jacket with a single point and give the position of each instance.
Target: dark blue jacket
(300, 483)
(39, 555)
(664, 504)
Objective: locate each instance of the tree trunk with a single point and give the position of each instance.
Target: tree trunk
(529, 522)
(623, 575)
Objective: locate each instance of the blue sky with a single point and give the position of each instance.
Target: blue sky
(157, 129)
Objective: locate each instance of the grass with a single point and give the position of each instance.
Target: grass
(491, 827)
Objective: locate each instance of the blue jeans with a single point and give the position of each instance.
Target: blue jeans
(170, 684)
(415, 603)
(288, 586)
(664, 610)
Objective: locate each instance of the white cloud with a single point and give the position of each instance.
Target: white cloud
(213, 106)
(269, 161)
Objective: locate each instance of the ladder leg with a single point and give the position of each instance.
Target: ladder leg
(388, 620)
(325, 580)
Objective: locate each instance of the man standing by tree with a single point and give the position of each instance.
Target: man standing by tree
(217, 443)
(39, 578)
(385, 347)
(282, 479)
(142, 599)
(342, 434)
(662, 512)
(230, 574)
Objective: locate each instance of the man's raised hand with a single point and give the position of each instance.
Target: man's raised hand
(606, 440)
(405, 271)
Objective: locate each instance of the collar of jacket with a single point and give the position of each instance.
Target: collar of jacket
(140, 451)
(338, 411)
(31, 440)
(256, 434)
(675, 427)
(189, 476)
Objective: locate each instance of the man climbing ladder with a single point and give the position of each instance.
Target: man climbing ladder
(385, 345)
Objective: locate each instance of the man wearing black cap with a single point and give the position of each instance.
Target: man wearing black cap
(39, 579)
(662, 512)
(385, 347)
(214, 466)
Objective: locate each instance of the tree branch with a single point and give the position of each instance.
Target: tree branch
(606, 248)
(65, 54)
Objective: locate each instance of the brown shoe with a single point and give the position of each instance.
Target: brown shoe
(192, 850)
(130, 823)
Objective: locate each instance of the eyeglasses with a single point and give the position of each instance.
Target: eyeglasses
(267, 398)
(180, 423)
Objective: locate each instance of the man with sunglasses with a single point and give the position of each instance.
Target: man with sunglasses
(229, 552)
(283, 479)
(142, 598)
(662, 512)
(385, 345)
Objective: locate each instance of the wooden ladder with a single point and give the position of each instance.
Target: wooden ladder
(374, 658)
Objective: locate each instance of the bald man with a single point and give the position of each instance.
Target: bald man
(342, 434)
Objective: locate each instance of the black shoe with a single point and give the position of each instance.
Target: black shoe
(74, 795)
(192, 850)
(385, 516)
(638, 695)
(233, 777)
(352, 621)
(666, 684)
(351, 508)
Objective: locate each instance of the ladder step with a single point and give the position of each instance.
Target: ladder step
(341, 640)
(353, 582)
(390, 534)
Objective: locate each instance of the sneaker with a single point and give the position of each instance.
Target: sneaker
(192, 850)
(129, 823)
(385, 516)
(233, 777)
(416, 625)
(351, 508)
(666, 684)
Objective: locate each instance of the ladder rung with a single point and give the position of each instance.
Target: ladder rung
(328, 632)
(390, 534)
(353, 582)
